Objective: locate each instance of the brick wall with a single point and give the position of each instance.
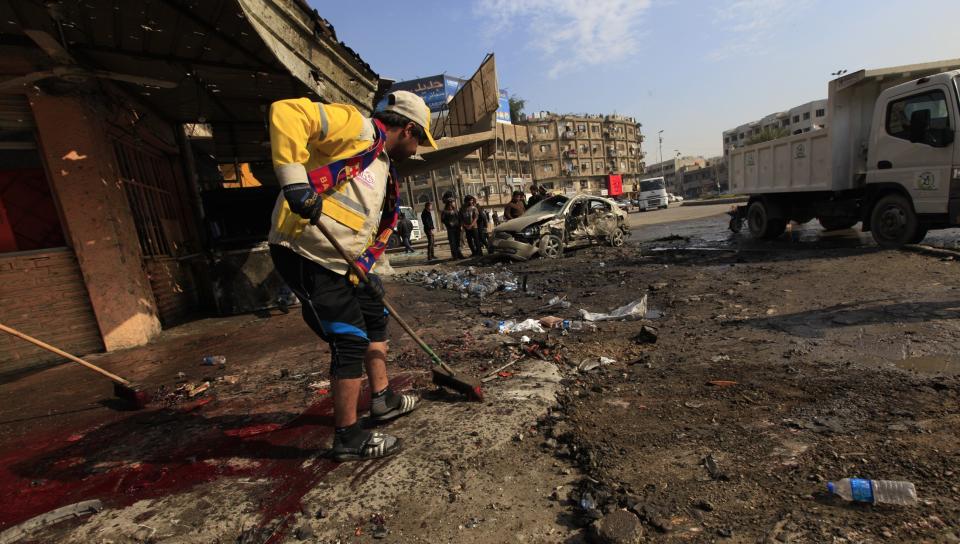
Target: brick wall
(42, 294)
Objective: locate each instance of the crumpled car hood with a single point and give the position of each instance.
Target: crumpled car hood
(524, 221)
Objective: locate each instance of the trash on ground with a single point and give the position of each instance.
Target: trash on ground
(710, 463)
(592, 363)
(509, 326)
(524, 339)
(322, 384)
(722, 383)
(214, 360)
(635, 310)
(875, 491)
(552, 322)
(468, 282)
(192, 390)
(505, 374)
(693, 404)
(231, 379)
(557, 302)
(647, 335)
(720, 358)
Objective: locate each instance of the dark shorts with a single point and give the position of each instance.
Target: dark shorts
(344, 316)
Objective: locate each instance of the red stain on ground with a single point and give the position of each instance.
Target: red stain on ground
(156, 453)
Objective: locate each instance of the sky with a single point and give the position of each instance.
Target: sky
(692, 68)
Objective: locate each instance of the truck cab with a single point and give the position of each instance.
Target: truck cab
(913, 159)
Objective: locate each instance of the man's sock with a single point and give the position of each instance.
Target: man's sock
(351, 436)
(384, 401)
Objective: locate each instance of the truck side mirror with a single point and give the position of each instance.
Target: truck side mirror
(919, 124)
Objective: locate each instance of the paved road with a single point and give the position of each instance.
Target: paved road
(677, 213)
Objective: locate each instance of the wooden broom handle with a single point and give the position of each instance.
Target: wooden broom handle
(62, 353)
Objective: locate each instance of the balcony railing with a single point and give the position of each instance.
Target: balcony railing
(569, 134)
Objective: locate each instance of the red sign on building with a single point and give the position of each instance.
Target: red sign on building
(614, 185)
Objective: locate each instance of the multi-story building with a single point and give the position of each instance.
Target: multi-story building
(803, 118)
(574, 153)
(505, 166)
(699, 180)
(668, 170)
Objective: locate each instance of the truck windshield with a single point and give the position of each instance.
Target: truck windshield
(651, 185)
(956, 88)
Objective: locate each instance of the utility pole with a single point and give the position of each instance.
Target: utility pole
(660, 152)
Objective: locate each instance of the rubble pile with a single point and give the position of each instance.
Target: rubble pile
(469, 282)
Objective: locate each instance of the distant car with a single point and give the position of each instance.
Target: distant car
(623, 204)
(559, 223)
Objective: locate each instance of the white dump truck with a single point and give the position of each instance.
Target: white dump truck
(889, 157)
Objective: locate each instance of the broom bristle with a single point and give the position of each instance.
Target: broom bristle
(137, 398)
(462, 384)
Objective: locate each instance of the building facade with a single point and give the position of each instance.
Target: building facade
(668, 170)
(700, 180)
(797, 120)
(573, 153)
(491, 173)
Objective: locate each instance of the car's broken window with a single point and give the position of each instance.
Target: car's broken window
(550, 205)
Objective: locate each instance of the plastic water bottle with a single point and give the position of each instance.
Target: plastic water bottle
(875, 491)
(214, 360)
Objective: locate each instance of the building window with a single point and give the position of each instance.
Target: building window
(806, 116)
(544, 148)
(542, 129)
(584, 166)
(548, 168)
(796, 118)
(584, 184)
(821, 112)
(594, 128)
(786, 122)
(581, 128)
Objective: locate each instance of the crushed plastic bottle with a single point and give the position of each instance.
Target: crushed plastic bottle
(214, 360)
(875, 491)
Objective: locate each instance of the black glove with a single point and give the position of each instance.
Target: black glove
(304, 201)
(374, 287)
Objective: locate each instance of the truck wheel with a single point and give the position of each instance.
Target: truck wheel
(393, 241)
(551, 246)
(761, 224)
(893, 222)
(837, 223)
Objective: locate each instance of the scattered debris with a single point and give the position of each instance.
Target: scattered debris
(635, 310)
(693, 404)
(214, 360)
(230, 379)
(509, 326)
(552, 322)
(468, 282)
(713, 469)
(618, 527)
(720, 358)
(560, 302)
(721, 383)
(592, 363)
(647, 335)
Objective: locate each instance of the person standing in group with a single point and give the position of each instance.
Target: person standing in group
(426, 223)
(515, 208)
(535, 196)
(496, 219)
(483, 223)
(450, 218)
(469, 217)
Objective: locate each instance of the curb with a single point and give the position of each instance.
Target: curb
(932, 251)
(733, 200)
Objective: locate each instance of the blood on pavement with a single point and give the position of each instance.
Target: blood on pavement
(158, 453)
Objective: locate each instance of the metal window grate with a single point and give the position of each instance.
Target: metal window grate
(150, 182)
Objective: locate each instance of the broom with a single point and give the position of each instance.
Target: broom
(122, 388)
(444, 376)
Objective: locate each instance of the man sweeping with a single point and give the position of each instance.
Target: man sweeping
(335, 167)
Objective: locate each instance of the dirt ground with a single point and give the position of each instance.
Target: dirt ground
(827, 362)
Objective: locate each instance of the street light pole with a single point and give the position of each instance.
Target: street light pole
(660, 153)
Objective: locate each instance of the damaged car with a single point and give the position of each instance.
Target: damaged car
(558, 223)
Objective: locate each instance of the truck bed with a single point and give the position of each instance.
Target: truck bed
(797, 163)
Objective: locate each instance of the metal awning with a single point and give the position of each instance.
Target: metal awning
(449, 151)
(229, 59)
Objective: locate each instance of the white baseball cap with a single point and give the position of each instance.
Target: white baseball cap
(413, 108)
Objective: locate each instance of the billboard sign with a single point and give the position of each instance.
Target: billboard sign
(503, 110)
(614, 185)
(433, 91)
